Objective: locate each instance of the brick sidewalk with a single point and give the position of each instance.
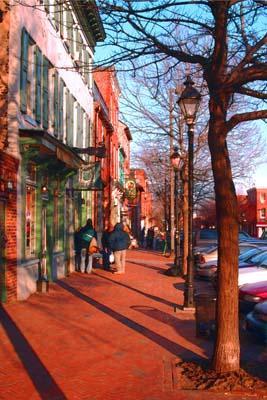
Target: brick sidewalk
(103, 336)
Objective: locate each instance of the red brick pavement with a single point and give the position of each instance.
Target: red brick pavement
(102, 336)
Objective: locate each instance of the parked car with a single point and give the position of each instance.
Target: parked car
(252, 293)
(208, 237)
(253, 274)
(256, 321)
(206, 263)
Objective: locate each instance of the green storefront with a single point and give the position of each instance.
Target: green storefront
(50, 209)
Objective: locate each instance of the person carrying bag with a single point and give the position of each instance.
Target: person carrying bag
(87, 235)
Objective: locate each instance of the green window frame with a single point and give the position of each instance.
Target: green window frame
(61, 109)
(38, 87)
(45, 92)
(56, 103)
(24, 70)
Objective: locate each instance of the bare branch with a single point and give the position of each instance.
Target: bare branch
(248, 116)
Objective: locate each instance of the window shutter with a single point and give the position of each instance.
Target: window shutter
(38, 83)
(24, 70)
(67, 115)
(86, 67)
(61, 109)
(88, 130)
(56, 105)
(72, 101)
(70, 118)
(70, 31)
(45, 92)
(57, 14)
(79, 126)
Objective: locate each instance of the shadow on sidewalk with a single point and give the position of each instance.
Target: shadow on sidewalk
(40, 376)
(156, 253)
(184, 327)
(150, 296)
(147, 266)
(167, 344)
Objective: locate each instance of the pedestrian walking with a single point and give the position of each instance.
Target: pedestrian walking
(150, 237)
(83, 240)
(119, 242)
(106, 251)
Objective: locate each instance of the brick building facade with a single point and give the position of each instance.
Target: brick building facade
(253, 211)
(46, 117)
(117, 141)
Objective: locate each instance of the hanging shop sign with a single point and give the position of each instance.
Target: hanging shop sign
(90, 177)
(130, 189)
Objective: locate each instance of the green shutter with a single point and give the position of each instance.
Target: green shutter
(79, 126)
(56, 105)
(57, 14)
(45, 92)
(38, 84)
(24, 70)
(70, 139)
(70, 31)
(69, 118)
(86, 67)
(61, 109)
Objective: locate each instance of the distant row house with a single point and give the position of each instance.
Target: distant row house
(64, 153)
(253, 211)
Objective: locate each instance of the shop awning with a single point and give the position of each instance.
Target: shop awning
(45, 147)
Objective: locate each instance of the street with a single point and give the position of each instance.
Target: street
(105, 336)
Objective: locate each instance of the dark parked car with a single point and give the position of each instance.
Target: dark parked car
(206, 266)
(256, 321)
(252, 293)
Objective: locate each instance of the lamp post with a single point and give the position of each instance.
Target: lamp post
(176, 162)
(189, 103)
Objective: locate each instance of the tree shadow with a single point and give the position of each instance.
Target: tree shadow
(150, 296)
(184, 327)
(38, 373)
(156, 253)
(147, 266)
(165, 343)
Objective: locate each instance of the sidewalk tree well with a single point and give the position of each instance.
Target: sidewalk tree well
(226, 40)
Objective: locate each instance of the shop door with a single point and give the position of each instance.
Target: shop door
(44, 243)
(2, 252)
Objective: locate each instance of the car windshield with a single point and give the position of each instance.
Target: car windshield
(243, 235)
(248, 254)
(263, 264)
(259, 258)
(208, 234)
(211, 250)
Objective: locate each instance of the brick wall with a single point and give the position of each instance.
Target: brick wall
(4, 48)
(8, 170)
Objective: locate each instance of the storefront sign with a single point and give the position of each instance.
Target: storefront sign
(130, 189)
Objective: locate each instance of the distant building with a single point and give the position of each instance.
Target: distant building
(253, 214)
(141, 206)
(117, 138)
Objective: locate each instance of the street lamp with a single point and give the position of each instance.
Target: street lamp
(189, 103)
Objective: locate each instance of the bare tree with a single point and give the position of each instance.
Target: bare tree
(226, 40)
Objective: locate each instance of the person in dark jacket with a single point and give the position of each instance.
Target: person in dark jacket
(105, 247)
(82, 242)
(119, 241)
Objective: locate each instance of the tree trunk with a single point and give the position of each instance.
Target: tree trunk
(226, 355)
